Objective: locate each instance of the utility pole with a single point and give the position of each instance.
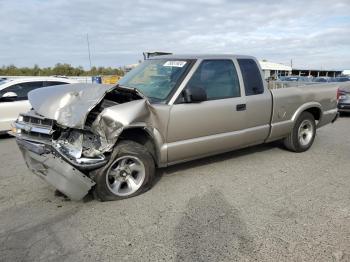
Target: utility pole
(88, 45)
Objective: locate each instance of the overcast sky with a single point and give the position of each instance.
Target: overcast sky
(44, 32)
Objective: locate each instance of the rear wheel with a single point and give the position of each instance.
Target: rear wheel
(303, 134)
(130, 172)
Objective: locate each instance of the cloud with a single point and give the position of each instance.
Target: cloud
(312, 33)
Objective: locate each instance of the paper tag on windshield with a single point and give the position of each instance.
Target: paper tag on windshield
(175, 63)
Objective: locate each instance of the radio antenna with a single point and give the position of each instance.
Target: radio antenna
(88, 46)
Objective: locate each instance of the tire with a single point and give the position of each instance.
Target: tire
(129, 172)
(303, 134)
(343, 114)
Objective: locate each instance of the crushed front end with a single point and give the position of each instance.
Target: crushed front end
(72, 131)
(56, 154)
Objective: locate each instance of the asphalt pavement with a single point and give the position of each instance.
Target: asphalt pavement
(257, 204)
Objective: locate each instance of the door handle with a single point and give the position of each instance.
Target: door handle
(241, 107)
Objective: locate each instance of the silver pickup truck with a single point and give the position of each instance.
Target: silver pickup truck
(170, 109)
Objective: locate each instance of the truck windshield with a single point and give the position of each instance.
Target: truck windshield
(156, 78)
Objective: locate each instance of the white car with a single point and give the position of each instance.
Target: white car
(14, 96)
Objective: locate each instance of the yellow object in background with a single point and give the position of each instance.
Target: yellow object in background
(110, 79)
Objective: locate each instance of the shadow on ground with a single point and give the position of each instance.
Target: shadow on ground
(5, 136)
(28, 235)
(212, 230)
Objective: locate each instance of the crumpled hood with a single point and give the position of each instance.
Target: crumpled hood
(68, 104)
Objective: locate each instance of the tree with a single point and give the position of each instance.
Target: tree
(59, 69)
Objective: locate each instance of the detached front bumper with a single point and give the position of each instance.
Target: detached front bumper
(54, 170)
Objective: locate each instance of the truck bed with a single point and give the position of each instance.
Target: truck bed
(289, 102)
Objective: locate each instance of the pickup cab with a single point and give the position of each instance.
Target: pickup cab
(109, 139)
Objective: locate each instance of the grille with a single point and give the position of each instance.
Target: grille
(38, 121)
(36, 136)
(35, 127)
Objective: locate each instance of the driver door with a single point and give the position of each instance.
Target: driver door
(213, 126)
(11, 108)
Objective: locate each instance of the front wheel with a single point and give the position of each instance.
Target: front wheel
(303, 134)
(130, 172)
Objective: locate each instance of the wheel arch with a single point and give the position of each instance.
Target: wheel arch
(313, 107)
(148, 137)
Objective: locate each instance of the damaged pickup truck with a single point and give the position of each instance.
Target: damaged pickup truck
(170, 109)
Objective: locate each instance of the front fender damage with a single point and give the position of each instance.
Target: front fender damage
(113, 120)
(101, 136)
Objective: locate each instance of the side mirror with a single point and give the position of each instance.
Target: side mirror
(195, 95)
(9, 96)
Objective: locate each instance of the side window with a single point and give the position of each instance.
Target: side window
(54, 83)
(251, 77)
(22, 89)
(218, 78)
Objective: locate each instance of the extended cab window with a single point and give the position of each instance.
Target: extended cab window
(22, 89)
(251, 77)
(218, 78)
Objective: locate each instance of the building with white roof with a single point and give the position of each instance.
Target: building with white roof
(274, 69)
(346, 72)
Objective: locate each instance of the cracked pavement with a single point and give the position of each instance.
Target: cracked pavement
(257, 204)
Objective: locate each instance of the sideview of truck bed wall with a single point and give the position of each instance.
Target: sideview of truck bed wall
(289, 103)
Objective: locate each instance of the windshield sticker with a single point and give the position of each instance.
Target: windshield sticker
(175, 63)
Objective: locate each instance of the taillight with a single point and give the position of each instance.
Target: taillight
(338, 94)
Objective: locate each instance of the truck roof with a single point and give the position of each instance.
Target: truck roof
(203, 56)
